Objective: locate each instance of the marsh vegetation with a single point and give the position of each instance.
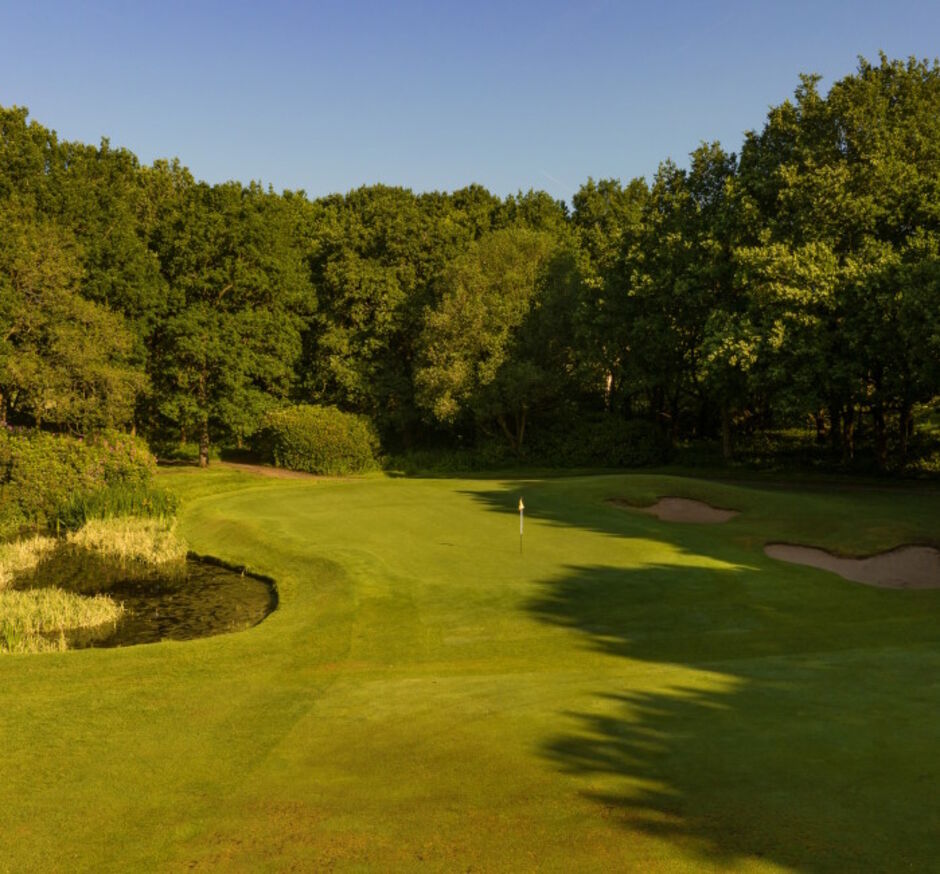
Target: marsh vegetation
(120, 582)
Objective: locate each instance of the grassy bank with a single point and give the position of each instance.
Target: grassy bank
(624, 694)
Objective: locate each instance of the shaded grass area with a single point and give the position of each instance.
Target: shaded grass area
(627, 694)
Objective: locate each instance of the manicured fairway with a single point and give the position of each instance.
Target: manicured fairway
(626, 695)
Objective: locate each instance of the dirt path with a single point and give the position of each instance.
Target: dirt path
(265, 470)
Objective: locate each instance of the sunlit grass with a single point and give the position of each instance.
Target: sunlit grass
(621, 694)
(153, 541)
(23, 555)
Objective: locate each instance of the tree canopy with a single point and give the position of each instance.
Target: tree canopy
(795, 283)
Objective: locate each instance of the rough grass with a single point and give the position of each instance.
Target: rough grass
(21, 556)
(626, 694)
(27, 619)
(152, 541)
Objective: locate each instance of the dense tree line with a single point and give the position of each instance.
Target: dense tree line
(796, 281)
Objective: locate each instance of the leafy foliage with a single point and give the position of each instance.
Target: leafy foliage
(322, 440)
(794, 285)
(43, 475)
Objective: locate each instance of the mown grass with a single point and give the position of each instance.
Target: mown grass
(624, 695)
(148, 540)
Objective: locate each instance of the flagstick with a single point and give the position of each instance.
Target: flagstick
(521, 511)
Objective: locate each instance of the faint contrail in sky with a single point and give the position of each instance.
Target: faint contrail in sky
(558, 182)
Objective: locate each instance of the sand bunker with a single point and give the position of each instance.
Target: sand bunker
(681, 510)
(908, 567)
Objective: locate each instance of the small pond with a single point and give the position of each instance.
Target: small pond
(196, 598)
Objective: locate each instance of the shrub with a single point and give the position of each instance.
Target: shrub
(321, 440)
(42, 474)
(604, 441)
(488, 456)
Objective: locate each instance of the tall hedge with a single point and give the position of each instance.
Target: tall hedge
(322, 440)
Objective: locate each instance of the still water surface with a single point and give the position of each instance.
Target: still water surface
(197, 598)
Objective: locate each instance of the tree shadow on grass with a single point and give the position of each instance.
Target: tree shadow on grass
(794, 720)
(813, 744)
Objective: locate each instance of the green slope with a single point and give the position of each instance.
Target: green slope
(626, 694)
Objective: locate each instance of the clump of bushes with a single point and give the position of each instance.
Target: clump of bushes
(42, 475)
(602, 441)
(322, 440)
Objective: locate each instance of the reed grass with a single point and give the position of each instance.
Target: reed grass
(132, 538)
(28, 619)
(22, 555)
(118, 500)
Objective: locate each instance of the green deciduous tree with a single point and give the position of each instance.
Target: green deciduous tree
(478, 357)
(64, 360)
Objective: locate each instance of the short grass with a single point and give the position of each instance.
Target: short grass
(624, 694)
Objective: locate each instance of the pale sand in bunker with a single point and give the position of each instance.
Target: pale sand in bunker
(908, 567)
(680, 510)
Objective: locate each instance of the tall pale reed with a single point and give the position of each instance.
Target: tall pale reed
(153, 541)
(23, 555)
(29, 619)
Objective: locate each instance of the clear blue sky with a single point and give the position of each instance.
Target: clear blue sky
(435, 95)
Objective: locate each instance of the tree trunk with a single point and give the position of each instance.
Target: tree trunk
(520, 431)
(881, 437)
(726, 449)
(501, 421)
(819, 420)
(905, 429)
(204, 443)
(674, 414)
(848, 434)
(835, 427)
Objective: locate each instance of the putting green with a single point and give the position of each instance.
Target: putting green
(625, 694)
